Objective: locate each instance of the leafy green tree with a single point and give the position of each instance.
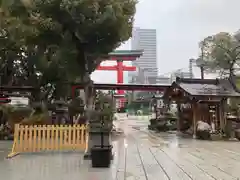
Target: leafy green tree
(221, 53)
(78, 34)
(26, 59)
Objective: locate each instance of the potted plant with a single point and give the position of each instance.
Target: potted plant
(101, 155)
(100, 133)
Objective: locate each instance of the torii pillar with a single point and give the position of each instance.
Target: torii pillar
(120, 56)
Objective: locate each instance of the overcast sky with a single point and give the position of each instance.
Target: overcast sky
(181, 25)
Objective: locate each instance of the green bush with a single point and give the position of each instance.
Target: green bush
(37, 119)
(13, 115)
(24, 115)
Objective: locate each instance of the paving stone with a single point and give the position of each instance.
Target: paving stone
(138, 155)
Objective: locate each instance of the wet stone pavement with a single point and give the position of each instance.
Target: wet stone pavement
(5, 148)
(138, 155)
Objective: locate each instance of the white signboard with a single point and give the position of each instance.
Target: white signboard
(19, 101)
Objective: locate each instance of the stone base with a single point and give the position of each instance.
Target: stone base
(95, 139)
(87, 156)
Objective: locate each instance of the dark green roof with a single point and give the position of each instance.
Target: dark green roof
(207, 87)
(136, 53)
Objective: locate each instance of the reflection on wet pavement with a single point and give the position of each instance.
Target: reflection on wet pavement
(138, 154)
(5, 147)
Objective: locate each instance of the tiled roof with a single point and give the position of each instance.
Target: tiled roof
(211, 87)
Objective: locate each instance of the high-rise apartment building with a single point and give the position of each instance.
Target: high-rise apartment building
(146, 39)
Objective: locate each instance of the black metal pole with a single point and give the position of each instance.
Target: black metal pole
(202, 72)
(201, 67)
(102, 138)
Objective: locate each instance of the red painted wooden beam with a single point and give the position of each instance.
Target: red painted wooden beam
(129, 68)
(115, 68)
(107, 68)
(123, 58)
(129, 87)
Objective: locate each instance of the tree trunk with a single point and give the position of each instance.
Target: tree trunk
(89, 99)
(8, 72)
(88, 92)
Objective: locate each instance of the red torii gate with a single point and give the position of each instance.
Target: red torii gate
(120, 56)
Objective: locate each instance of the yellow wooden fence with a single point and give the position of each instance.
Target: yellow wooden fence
(39, 138)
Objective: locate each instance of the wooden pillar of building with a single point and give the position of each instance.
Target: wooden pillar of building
(215, 120)
(179, 117)
(206, 114)
(223, 115)
(220, 116)
(195, 115)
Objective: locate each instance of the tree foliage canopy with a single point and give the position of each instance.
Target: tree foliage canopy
(221, 53)
(47, 42)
